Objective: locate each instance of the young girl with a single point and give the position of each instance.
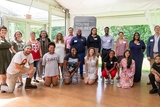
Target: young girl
(110, 67)
(128, 71)
(71, 65)
(36, 52)
(91, 66)
(17, 45)
(60, 49)
(50, 63)
(154, 76)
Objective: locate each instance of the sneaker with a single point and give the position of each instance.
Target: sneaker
(107, 80)
(20, 84)
(112, 81)
(149, 83)
(36, 80)
(153, 91)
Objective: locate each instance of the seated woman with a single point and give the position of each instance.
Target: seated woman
(91, 66)
(128, 71)
(110, 63)
(50, 63)
(71, 65)
(154, 76)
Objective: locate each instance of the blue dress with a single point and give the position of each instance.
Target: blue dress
(137, 56)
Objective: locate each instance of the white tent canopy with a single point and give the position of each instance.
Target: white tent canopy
(107, 12)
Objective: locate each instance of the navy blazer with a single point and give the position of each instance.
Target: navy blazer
(150, 46)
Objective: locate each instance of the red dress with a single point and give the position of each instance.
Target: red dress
(35, 50)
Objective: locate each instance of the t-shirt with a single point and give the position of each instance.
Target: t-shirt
(72, 62)
(50, 61)
(18, 45)
(156, 67)
(110, 63)
(21, 59)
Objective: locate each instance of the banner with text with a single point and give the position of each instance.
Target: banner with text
(85, 23)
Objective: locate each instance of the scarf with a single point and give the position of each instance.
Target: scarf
(44, 45)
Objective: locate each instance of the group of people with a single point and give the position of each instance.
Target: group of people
(66, 55)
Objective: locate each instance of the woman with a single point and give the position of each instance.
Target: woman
(17, 45)
(91, 66)
(71, 65)
(44, 41)
(94, 40)
(121, 47)
(5, 54)
(110, 67)
(36, 52)
(128, 71)
(50, 63)
(137, 47)
(154, 76)
(60, 49)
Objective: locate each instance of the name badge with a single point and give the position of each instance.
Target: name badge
(75, 40)
(95, 38)
(151, 40)
(138, 43)
(124, 41)
(108, 40)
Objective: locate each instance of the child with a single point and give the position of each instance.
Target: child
(51, 63)
(154, 76)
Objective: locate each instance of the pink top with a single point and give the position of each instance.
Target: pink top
(121, 47)
(67, 41)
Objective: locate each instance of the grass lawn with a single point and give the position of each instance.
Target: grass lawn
(145, 66)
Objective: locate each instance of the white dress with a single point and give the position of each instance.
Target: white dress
(91, 68)
(60, 50)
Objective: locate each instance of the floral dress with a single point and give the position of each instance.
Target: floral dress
(127, 75)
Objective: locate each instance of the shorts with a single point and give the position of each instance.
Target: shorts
(73, 79)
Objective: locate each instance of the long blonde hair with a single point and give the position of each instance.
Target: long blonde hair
(88, 55)
(62, 39)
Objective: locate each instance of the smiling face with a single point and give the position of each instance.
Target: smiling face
(136, 36)
(70, 30)
(27, 50)
(59, 36)
(79, 32)
(18, 35)
(3, 32)
(157, 60)
(157, 29)
(73, 51)
(111, 54)
(94, 31)
(127, 54)
(32, 35)
(121, 35)
(91, 52)
(51, 49)
(43, 34)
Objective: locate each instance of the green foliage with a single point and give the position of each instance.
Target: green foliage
(129, 31)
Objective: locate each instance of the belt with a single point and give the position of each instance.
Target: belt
(106, 49)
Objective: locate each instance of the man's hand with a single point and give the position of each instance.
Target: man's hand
(149, 58)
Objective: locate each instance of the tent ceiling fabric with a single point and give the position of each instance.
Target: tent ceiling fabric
(96, 7)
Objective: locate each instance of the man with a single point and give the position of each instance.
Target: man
(79, 42)
(17, 67)
(153, 47)
(68, 39)
(107, 44)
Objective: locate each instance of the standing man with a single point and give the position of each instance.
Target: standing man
(79, 42)
(107, 44)
(68, 39)
(153, 48)
(17, 67)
